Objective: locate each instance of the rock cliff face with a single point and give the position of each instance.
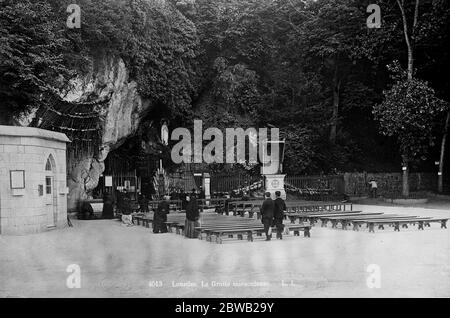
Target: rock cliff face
(109, 80)
(161, 44)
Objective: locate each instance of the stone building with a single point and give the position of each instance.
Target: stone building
(33, 188)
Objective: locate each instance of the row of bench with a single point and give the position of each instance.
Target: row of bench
(252, 207)
(217, 226)
(371, 219)
(203, 204)
(308, 214)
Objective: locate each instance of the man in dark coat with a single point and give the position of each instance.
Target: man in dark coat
(86, 212)
(119, 201)
(192, 211)
(202, 194)
(267, 210)
(227, 203)
(160, 216)
(183, 199)
(192, 216)
(143, 204)
(278, 214)
(108, 208)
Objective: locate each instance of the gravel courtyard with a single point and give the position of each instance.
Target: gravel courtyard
(118, 261)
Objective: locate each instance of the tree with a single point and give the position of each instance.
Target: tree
(31, 51)
(442, 155)
(310, 68)
(408, 110)
(410, 37)
(299, 65)
(326, 43)
(408, 90)
(301, 150)
(158, 44)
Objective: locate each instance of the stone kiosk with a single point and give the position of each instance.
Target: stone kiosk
(33, 190)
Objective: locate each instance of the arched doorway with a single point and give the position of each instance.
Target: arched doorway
(50, 191)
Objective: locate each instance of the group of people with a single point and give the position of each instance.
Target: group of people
(86, 212)
(188, 203)
(272, 214)
(192, 215)
(180, 194)
(124, 205)
(160, 216)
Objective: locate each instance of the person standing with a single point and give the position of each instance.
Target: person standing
(192, 216)
(160, 216)
(278, 215)
(143, 204)
(119, 201)
(126, 211)
(184, 201)
(267, 210)
(108, 208)
(373, 188)
(86, 212)
(202, 195)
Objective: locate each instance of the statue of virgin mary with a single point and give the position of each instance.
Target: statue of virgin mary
(165, 133)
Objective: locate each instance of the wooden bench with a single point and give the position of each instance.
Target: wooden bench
(239, 232)
(211, 224)
(230, 231)
(174, 205)
(421, 221)
(325, 218)
(253, 206)
(299, 207)
(335, 220)
(178, 225)
(306, 228)
(314, 216)
(177, 221)
(348, 221)
(137, 217)
(205, 228)
(250, 231)
(357, 222)
(248, 206)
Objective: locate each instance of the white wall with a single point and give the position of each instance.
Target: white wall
(27, 213)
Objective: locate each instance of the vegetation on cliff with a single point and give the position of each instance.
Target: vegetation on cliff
(311, 68)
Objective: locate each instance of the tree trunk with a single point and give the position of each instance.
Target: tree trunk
(410, 63)
(334, 118)
(405, 179)
(410, 39)
(441, 159)
(409, 36)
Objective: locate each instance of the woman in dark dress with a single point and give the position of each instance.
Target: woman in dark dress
(183, 198)
(119, 202)
(108, 208)
(160, 216)
(143, 204)
(192, 216)
(86, 212)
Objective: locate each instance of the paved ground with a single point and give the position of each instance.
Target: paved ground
(117, 261)
(439, 202)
